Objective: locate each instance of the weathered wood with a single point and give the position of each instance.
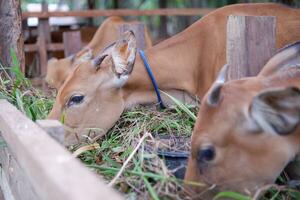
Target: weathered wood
(2, 195)
(121, 12)
(14, 182)
(6, 193)
(139, 32)
(250, 44)
(52, 171)
(11, 32)
(44, 38)
(54, 128)
(49, 47)
(163, 29)
(72, 42)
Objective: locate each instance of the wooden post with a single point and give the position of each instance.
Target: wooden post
(139, 32)
(250, 44)
(163, 31)
(48, 171)
(11, 32)
(13, 180)
(44, 38)
(72, 42)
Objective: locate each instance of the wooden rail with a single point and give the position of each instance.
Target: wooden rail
(49, 47)
(120, 12)
(35, 167)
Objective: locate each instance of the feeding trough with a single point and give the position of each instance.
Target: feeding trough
(174, 150)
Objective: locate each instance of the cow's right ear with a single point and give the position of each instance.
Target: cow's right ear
(277, 111)
(284, 59)
(85, 55)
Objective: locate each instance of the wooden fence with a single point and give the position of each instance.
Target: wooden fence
(121, 12)
(44, 44)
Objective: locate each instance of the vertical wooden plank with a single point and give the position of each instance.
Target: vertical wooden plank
(2, 195)
(72, 42)
(44, 38)
(14, 182)
(163, 28)
(250, 44)
(11, 32)
(138, 30)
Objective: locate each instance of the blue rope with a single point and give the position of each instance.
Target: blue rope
(154, 83)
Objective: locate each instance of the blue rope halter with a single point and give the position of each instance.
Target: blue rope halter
(154, 83)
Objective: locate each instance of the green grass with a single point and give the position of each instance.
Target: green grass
(145, 176)
(20, 93)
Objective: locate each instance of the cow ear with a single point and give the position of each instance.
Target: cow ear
(214, 94)
(277, 111)
(85, 55)
(284, 59)
(52, 60)
(123, 55)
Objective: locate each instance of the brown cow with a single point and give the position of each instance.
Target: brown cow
(248, 130)
(101, 89)
(58, 70)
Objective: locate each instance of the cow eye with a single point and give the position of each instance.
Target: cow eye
(206, 154)
(75, 100)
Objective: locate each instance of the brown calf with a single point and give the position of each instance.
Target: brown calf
(248, 130)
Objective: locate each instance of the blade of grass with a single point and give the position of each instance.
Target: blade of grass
(231, 195)
(149, 187)
(128, 159)
(181, 105)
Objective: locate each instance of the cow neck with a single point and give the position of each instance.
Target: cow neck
(175, 64)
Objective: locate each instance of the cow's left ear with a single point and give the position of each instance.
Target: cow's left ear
(277, 111)
(85, 55)
(123, 54)
(214, 93)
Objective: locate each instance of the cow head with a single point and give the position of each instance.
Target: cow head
(241, 145)
(92, 95)
(247, 130)
(59, 69)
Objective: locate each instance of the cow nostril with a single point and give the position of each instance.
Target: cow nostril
(206, 154)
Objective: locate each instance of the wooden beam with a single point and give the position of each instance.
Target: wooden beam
(14, 181)
(54, 128)
(121, 12)
(72, 42)
(11, 33)
(139, 32)
(49, 47)
(250, 44)
(44, 38)
(51, 170)
(55, 47)
(30, 47)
